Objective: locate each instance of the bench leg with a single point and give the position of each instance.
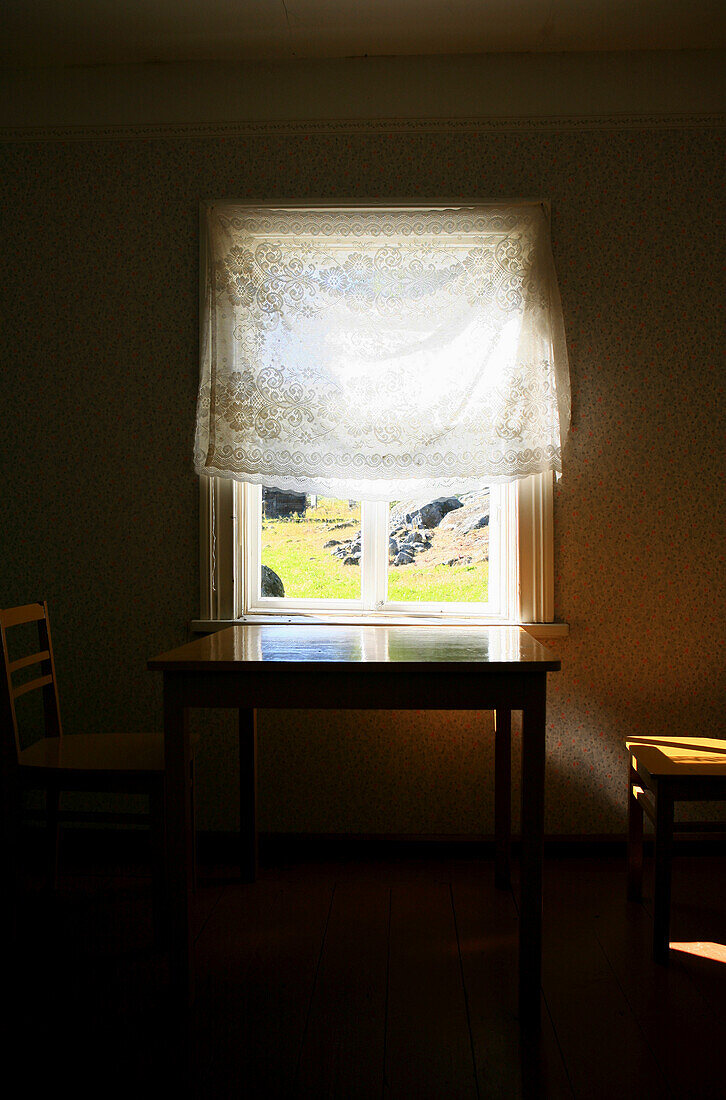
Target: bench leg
(663, 860)
(635, 840)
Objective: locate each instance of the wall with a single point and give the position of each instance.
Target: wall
(99, 514)
(674, 83)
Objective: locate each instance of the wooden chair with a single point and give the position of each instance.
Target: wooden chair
(102, 762)
(664, 771)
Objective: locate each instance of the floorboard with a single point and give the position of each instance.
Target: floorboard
(511, 1063)
(605, 1049)
(259, 954)
(428, 1042)
(385, 979)
(343, 1048)
(698, 922)
(675, 1018)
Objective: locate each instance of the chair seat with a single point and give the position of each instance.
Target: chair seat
(91, 752)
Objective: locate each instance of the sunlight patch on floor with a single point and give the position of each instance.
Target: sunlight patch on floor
(704, 949)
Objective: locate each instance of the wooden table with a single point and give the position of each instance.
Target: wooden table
(341, 666)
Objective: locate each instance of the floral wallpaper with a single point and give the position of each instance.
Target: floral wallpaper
(99, 373)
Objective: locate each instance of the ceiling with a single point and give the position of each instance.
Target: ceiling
(97, 32)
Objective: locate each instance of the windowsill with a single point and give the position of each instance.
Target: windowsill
(541, 631)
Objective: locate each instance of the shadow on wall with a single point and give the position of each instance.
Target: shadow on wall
(377, 772)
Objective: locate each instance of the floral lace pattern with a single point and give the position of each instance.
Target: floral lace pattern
(368, 352)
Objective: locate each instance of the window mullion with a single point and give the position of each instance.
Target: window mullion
(500, 557)
(382, 509)
(374, 559)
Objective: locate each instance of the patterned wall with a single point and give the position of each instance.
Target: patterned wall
(99, 514)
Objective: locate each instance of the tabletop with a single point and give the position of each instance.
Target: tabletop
(500, 648)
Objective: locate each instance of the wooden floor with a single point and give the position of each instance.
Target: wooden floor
(386, 979)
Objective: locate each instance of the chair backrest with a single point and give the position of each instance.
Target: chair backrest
(45, 682)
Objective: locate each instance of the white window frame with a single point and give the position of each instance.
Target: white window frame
(230, 520)
(373, 568)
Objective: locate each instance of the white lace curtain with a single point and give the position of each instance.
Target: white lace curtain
(380, 353)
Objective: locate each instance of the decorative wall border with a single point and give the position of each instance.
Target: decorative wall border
(488, 124)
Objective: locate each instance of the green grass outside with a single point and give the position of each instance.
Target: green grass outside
(446, 583)
(293, 548)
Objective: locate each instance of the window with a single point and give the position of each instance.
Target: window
(520, 575)
(379, 415)
(401, 556)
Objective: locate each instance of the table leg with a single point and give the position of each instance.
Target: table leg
(502, 796)
(247, 719)
(532, 847)
(179, 842)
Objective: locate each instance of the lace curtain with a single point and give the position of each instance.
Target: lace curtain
(380, 353)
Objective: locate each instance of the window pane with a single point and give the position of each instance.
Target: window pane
(438, 550)
(310, 547)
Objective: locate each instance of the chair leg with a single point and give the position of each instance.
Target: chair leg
(635, 841)
(11, 808)
(158, 845)
(52, 831)
(663, 860)
(193, 796)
